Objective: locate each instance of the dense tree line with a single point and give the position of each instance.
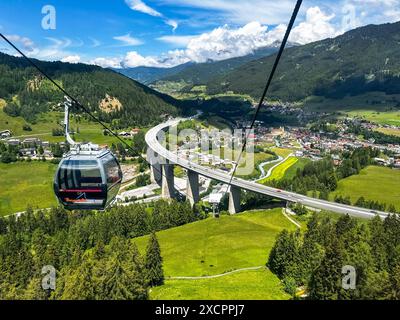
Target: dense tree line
(379, 137)
(315, 259)
(10, 153)
(92, 252)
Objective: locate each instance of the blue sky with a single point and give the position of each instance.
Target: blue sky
(129, 33)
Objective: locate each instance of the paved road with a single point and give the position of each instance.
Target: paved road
(152, 142)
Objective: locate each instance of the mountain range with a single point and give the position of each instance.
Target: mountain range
(363, 60)
(194, 73)
(360, 61)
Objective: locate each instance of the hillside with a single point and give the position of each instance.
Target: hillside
(363, 60)
(201, 73)
(216, 246)
(147, 75)
(28, 94)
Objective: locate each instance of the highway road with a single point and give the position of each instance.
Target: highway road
(154, 144)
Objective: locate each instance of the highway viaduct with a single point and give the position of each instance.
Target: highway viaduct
(162, 167)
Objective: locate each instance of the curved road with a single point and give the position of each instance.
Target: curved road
(153, 143)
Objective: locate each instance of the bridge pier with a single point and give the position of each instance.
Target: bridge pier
(152, 175)
(192, 187)
(234, 200)
(167, 187)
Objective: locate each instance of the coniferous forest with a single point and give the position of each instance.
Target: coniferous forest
(317, 259)
(27, 93)
(92, 252)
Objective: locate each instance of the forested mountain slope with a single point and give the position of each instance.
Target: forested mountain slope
(363, 60)
(109, 94)
(201, 73)
(147, 75)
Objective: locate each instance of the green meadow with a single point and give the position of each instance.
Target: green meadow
(25, 183)
(217, 246)
(373, 183)
(46, 122)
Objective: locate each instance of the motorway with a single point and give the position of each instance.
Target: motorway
(154, 144)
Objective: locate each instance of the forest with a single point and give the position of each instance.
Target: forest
(91, 252)
(28, 93)
(314, 259)
(348, 65)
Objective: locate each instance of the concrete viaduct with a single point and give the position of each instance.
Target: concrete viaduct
(162, 166)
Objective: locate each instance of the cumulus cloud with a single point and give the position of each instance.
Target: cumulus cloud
(226, 42)
(139, 5)
(107, 62)
(317, 26)
(71, 59)
(167, 60)
(128, 41)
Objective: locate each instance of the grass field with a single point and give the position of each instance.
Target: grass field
(390, 118)
(26, 183)
(282, 151)
(291, 172)
(279, 172)
(373, 183)
(389, 131)
(249, 285)
(217, 246)
(46, 122)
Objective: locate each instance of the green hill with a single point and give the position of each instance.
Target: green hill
(111, 95)
(201, 73)
(216, 246)
(147, 75)
(363, 60)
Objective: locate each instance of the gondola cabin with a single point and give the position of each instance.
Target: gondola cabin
(87, 179)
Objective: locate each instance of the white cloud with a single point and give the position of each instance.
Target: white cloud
(56, 50)
(239, 11)
(27, 44)
(317, 26)
(139, 5)
(107, 62)
(172, 23)
(134, 59)
(226, 42)
(128, 41)
(72, 59)
(166, 60)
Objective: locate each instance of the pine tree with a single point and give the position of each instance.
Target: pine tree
(34, 290)
(153, 262)
(325, 281)
(79, 283)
